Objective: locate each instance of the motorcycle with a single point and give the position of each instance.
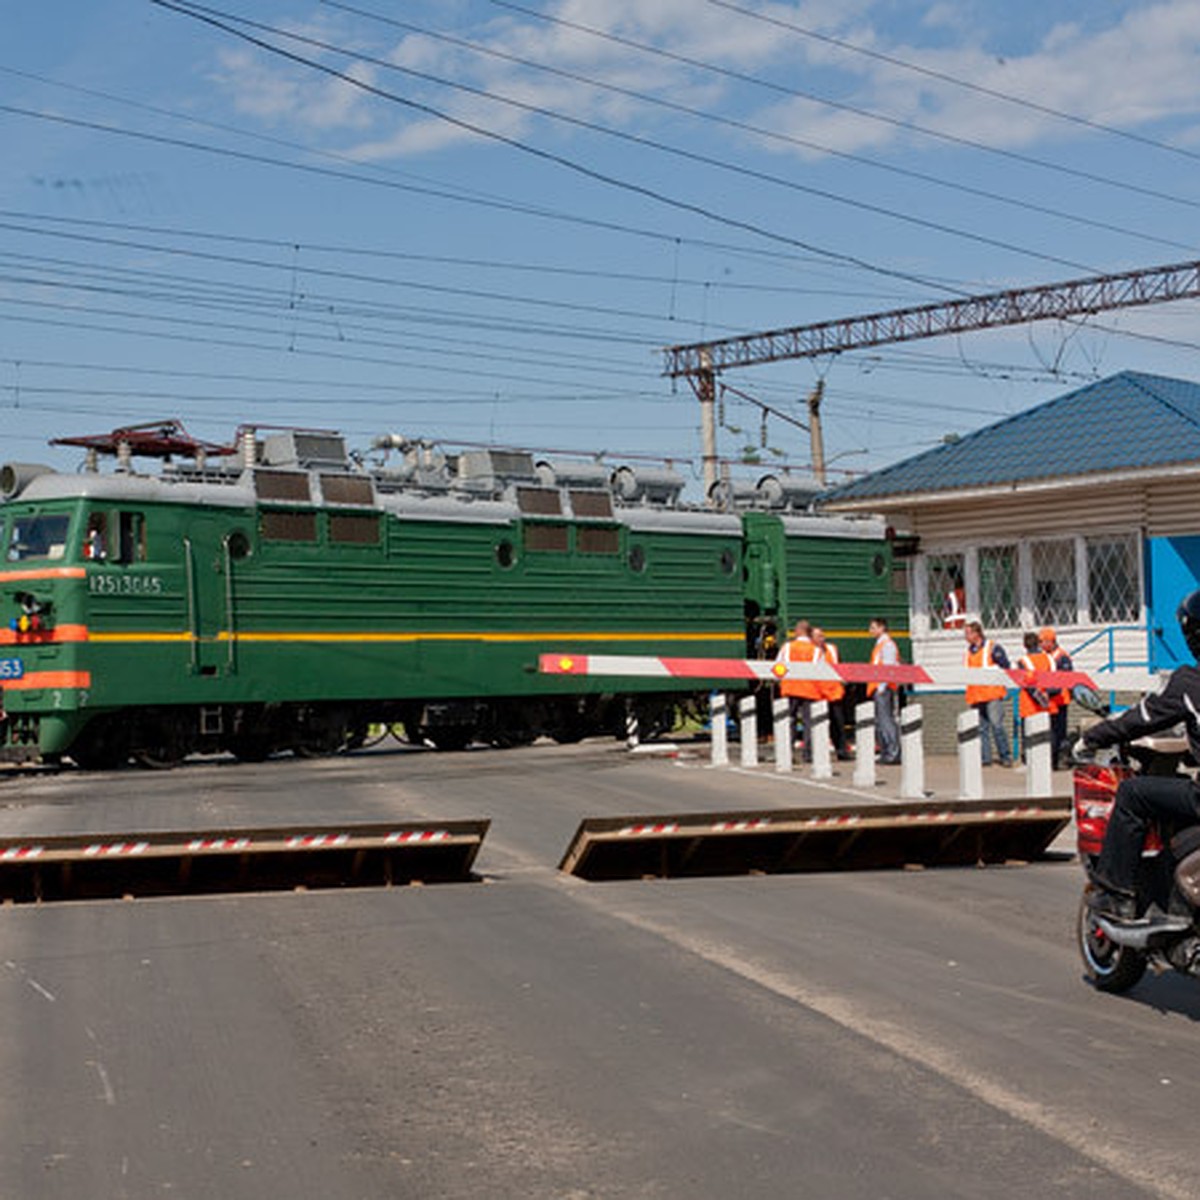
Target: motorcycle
(1116, 954)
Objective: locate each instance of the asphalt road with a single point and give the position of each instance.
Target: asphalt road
(892, 1034)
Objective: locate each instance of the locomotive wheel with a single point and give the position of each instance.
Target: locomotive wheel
(102, 746)
(451, 737)
(1111, 968)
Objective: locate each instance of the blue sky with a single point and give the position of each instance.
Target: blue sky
(479, 222)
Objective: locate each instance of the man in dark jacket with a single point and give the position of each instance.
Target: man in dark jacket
(1145, 799)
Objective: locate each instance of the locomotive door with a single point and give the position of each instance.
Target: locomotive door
(208, 587)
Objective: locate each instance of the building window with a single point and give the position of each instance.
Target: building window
(999, 605)
(944, 575)
(1114, 592)
(1055, 599)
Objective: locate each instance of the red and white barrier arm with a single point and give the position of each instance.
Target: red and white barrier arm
(749, 670)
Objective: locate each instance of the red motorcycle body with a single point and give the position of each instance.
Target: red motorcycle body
(1095, 791)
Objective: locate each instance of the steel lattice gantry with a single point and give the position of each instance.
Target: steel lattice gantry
(700, 362)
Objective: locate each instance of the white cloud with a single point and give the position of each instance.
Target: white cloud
(1138, 70)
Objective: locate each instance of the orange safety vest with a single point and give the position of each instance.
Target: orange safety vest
(884, 640)
(1058, 699)
(830, 689)
(954, 610)
(982, 693)
(1026, 704)
(800, 650)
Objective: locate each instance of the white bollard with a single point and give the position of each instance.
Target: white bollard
(912, 753)
(970, 756)
(818, 739)
(1039, 763)
(781, 710)
(748, 713)
(864, 745)
(633, 737)
(718, 707)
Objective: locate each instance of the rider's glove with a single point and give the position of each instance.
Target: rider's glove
(1082, 752)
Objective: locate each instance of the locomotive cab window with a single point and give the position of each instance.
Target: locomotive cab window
(95, 537)
(131, 537)
(38, 536)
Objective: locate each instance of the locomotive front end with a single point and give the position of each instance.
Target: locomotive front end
(43, 691)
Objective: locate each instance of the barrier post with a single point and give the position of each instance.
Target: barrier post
(912, 752)
(1039, 764)
(748, 712)
(822, 759)
(781, 710)
(633, 736)
(864, 744)
(970, 756)
(718, 707)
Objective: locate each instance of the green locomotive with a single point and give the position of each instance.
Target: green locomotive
(278, 594)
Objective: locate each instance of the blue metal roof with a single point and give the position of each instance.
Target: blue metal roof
(1126, 422)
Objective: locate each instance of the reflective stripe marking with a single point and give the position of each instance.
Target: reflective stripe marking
(416, 835)
(115, 849)
(219, 844)
(311, 841)
(644, 830)
(15, 853)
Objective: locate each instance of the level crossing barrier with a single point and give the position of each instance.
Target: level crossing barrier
(124, 865)
(1036, 735)
(835, 838)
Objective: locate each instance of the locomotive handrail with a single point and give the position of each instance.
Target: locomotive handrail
(231, 645)
(189, 572)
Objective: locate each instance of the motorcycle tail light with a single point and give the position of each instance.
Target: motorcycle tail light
(1095, 791)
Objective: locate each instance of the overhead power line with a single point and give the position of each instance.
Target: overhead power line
(946, 77)
(841, 106)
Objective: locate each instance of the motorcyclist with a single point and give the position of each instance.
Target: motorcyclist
(1143, 800)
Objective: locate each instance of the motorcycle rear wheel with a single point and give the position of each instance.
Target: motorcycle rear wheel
(1111, 968)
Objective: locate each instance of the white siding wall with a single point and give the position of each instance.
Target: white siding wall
(1158, 508)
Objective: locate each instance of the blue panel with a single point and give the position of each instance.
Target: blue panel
(1174, 570)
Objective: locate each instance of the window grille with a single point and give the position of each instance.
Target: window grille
(943, 573)
(1055, 598)
(999, 607)
(1113, 588)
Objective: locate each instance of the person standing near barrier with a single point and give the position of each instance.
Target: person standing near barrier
(800, 648)
(1033, 699)
(987, 699)
(832, 691)
(954, 607)
(1059, 660)
(887, 728)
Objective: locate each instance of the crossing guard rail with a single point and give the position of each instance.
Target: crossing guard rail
(110, 865)
(904, 674)
(846, 837)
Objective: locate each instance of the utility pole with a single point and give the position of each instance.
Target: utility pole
(815, 437)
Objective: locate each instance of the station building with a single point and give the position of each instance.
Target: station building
(1082, 513)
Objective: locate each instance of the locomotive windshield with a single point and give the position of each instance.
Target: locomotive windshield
(38, 537)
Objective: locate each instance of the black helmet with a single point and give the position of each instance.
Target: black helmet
(1188, 615)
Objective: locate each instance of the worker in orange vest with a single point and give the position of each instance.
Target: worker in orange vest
(987, 699)
(954, 607)
(887, 729)
(800, 648)
(1033, 699)
(832, 691)
(1060, 701)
